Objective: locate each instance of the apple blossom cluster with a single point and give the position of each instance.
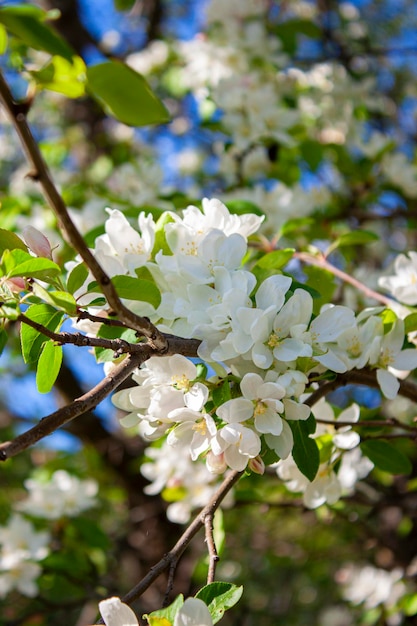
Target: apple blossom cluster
(342, 463)
(259, 343)
(193, 612)
(62, 495)
(21, 547)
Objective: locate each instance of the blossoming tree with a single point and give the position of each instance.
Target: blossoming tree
(256, 343)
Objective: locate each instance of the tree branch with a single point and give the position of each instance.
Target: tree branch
(84, 403)
(175, 345)
(171, 558)
(347, 278)
(41, 173)
(365, 377)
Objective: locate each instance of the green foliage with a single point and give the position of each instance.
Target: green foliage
(126, 94)
(17, 262)
(165, 617)
(137, 289)
(353, 238)
(305, 452)
(27, 22)
(113, 332)
(32, 340)
(219, 597)
(49, 364)
(62, 76)
(10, 241)
(386, 456)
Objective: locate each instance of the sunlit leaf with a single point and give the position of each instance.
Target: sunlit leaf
(27, 22)
(63, 76)
(219, 597)
(168, 613)
(276, 259)
(125, 94)
(48, 367)
(31, 339)
(10, 241)
(137, 289)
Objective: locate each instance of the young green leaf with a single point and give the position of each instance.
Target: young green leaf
(386, 457)
(354, 238)
(77, 277)
(10, 241)
(17, 262)
(219, 597)
(27, 22)
(276, 259)
(125, 94)
(168, 614)
(137, 289)
(31, 339)
(48, 366)
(63, 76)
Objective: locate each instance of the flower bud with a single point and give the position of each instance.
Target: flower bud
(216, 463)
(256, 465)
(37, 242)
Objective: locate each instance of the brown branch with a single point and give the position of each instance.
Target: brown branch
(172, 557)
(211, 546)
(364, 377)
(391, 422)
(176, 345)
(41, 173)
(84, 403)
(320, 261)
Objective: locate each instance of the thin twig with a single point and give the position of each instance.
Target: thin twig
(320, 261)
(211, 546)
(390, 422)
(81, 405)
(41, 173)
(365, 377)
(173, 555)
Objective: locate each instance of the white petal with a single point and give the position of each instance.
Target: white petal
(115, 613)
(388, 383)
(194, 612)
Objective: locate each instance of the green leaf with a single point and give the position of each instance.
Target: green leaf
(124, 5)
(125, 94)
(354, 238)
(48, 366)
(276, 259)
(31, 339)
(410, 323)
(3, 339)
(160, 237)
(167, 614)
(305, 452)
(90, 533)
(295, 226)
(3, 39)
(219, 597)
(19, 263)
(10, 241)
(137, 289)
(77, 277)
(221, 393)
(322, 282)
(63, 76)
(386, 457)
(27, 22)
